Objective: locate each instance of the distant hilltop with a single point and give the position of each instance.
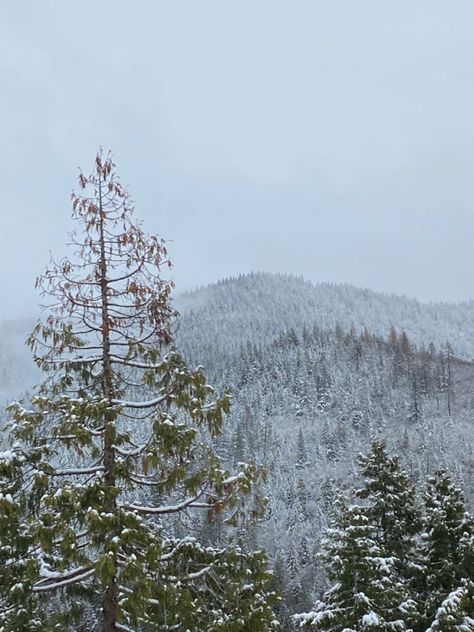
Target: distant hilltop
(252, 306)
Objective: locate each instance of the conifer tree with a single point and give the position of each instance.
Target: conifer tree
(365, 592)
(301, 455)
(447, 546)
(447, 375)
(302, 499)
(391, 503)
(392, 336)
(416, 412)
(407, 349)
(112, 446)
(456, 613)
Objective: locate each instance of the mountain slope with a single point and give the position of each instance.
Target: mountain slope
(254, 306)
(314, 379)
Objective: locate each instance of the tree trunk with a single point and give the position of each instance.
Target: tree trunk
(110, 601)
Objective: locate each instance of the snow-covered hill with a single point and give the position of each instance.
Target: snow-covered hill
(257, 305)
(254, 307)
(316, 377)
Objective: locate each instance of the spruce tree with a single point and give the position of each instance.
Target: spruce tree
(112, 446)
(447, 547)
(366, 591)
(301, 454)
(391, 503)
(456, 613)
(392, 336)
(415, 414)
(393, 512)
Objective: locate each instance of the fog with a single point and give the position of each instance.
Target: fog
(328, 139)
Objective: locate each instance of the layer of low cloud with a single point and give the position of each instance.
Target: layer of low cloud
(329, 139)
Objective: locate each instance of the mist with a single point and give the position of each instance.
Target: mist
(329, 140)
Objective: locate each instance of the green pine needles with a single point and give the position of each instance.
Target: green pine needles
(112, 447)
(396, 563)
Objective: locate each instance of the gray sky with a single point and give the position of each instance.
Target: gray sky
(332, 139)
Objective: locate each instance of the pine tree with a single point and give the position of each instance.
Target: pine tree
(447, 382)
(17, 568)
(112, 446)
(302, 494)
(392, 336)
(416, 413)
(406, 348)
(365, 591)
(398, 364)
(456, 613)
(391, 502)
(301, 455)
(447, 547)
(292, 563)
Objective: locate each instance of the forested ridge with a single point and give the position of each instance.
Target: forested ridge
(257, 305)
(310, 394)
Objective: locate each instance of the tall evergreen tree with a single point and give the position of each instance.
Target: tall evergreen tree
(447, 546)
(112, 446)
(392, 336)
(391, 502)
(366, 591)
(447, 381)
(415, 412)
(301, 455)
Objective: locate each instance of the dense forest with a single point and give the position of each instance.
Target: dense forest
(309, 398)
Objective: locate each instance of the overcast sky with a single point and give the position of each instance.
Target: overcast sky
(332, 139)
